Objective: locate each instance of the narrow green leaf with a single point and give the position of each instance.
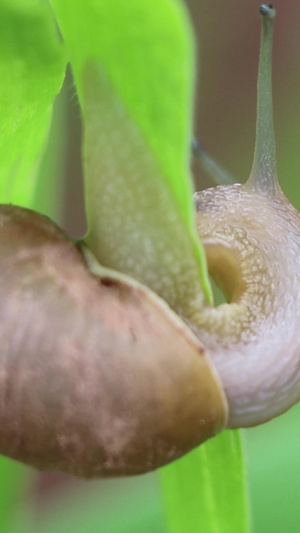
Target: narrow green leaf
(206, 491)
(32, 68)
(114, 506)
(13, 480)
(133, 67)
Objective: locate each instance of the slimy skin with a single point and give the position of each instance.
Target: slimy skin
(251, 235)
(253, 253)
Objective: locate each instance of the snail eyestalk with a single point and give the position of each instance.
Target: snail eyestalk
(264, 170)
(212, 167)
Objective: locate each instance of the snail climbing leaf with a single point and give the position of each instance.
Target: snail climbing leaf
(78, 334)
(135, 387)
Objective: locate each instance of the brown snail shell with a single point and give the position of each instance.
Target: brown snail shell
(98, 377)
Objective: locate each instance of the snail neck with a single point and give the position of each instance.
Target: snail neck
(263, 176)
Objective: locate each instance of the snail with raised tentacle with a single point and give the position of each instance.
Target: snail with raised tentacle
(253, 251)
(107, 379)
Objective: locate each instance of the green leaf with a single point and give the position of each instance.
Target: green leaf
(274, 466)
(32, 68)
(112, 506)
(13, 479)
(133, 67)
(206, 490)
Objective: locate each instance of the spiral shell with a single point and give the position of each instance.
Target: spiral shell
(98, 376)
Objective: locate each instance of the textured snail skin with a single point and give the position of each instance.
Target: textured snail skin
(98, 377)
(252, 243)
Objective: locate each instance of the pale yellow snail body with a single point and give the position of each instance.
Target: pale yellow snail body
(254, 341)
(251, 235)
(99, 377)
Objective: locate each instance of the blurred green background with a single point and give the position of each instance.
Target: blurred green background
(228, 43)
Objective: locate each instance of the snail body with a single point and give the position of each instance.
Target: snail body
(251, 234)
(100, 377)
(253, 252)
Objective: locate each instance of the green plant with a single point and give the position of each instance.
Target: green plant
(156, 154)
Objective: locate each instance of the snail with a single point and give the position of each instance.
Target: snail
(253, 250)
(100, 377)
